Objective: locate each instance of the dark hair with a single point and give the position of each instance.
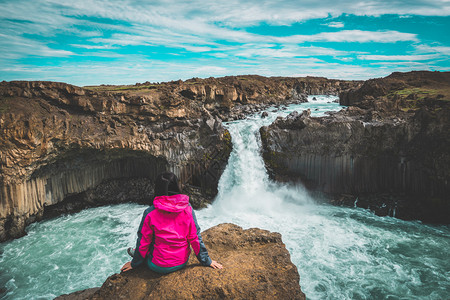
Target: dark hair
(166, 184)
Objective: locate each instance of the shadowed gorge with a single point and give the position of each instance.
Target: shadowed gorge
(65, 147)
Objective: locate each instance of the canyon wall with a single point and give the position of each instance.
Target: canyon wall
(64, 148)
(388, 153)
(61, 142)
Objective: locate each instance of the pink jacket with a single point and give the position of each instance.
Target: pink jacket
(171, 228)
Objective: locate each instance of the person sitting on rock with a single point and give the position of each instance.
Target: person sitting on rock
(167, 229)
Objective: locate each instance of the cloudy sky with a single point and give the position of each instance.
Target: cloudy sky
(86, 42)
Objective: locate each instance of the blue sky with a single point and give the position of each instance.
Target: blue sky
(85, 42)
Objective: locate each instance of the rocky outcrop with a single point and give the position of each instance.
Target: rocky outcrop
(64, 147)
(256, 266)
(386, 154)
(397, 89)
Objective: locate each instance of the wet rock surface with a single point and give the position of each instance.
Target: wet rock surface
(256, 266)
(384, 153)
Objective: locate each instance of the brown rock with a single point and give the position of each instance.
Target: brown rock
(80, 295)
(256, 266)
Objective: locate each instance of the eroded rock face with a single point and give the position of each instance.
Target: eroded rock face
(256, 266)
(393, 161)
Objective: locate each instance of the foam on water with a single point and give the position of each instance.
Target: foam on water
(68, 253)
(341, 253)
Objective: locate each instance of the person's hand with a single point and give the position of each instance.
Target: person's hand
(126, 267)
(215, 265)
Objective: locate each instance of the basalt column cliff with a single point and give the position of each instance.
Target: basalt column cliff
(389, 151)
(64, 148)
(61, 142)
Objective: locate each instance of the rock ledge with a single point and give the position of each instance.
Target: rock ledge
(256, 266)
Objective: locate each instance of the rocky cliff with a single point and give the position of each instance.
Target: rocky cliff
(64, 147)
(388, 152)
(64, 144)
(256, 266)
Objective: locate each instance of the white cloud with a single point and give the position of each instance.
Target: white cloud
(196, 17)
(286, 51)
(266, 52)
(406, 66)
(197, 48)
(27, 47)
(242, 13)
(347, 59)
(335, 24)
(93, 46)
(443, 50)
(359, 36)
(191, 25)
(213, 30)
(210, 70)
(398, 57)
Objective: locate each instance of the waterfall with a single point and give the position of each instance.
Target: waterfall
(245, 187)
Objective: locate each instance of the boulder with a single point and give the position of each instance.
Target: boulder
(256, 266)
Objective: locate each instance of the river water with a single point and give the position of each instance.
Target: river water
(341, 253)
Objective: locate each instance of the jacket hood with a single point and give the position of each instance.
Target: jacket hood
(175, 203)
